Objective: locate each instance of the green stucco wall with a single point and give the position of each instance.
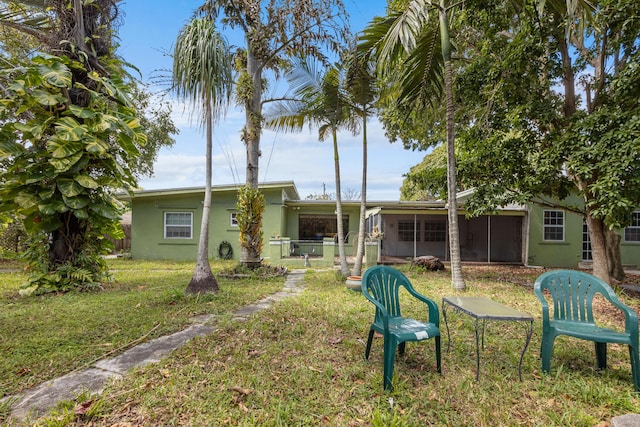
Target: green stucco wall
(147, 223)
(567, 253)
(554, 254)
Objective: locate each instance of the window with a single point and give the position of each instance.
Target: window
(435, 231)
(408, 231)
(233, 221)
(632, 232)
(178, 225)
(317, 227)
(587, 254)
(553, 225)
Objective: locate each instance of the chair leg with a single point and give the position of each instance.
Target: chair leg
(401, 348)
(546, 350)
(390, 345)
(635, 367)
(601, 355)
(369, 340)
(438, 357)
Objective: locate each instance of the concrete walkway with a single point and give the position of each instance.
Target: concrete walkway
(37, 401)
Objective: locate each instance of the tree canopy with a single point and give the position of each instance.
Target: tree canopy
(549, 105)
(70, 137)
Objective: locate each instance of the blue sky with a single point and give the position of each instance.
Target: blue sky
(149, 30)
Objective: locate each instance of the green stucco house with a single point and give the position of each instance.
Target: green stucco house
(165, 224)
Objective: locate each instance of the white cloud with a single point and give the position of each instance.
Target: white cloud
(298, 157)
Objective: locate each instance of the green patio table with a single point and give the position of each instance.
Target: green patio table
(486, 309)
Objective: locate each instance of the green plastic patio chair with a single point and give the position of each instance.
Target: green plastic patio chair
(571, 295)
(381, 285)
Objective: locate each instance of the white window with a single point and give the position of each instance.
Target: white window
(233, 220)
(178, 225)
(553, 225)
(632, 232)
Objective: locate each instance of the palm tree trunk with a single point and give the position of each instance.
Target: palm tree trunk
(344, 267)
(251, 138)
(203, 279)
(457, 280)
(253, 113)
(357, 267)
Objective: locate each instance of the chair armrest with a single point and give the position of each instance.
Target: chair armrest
(545, 306)
(630, 315)
(383, 311)
(434, 312)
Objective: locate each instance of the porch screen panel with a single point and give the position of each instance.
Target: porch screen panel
(408, 231)
(435, 231)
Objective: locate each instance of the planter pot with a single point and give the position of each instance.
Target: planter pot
(353, 283)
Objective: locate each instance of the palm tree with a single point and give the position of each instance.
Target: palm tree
(320, 101)
(202, 75)
(360, 82)
(274, 32)
(411, 35)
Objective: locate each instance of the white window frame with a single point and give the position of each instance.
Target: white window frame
(633, 228)
(233, 219)
(168, 226)
(553, 222)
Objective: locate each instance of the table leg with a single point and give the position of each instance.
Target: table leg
(478, 349)
(446, 325)
(526, 344)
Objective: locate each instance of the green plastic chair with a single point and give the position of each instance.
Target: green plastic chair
(571, 294)
(381, 285)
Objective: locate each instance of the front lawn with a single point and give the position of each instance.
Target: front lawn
(48, 336)
(300, 363)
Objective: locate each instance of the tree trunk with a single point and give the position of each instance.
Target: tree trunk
(66, 241)
(598, 247)
(251, 138)
(614, 257)
(344, 267)
(457, 280)
(203, 280)
(569, 107)
(357, 267)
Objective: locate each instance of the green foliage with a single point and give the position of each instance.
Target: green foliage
(88, 271)
(63, 163)
(428, 179)
(250, 207)
(155, 119)
(518, 136)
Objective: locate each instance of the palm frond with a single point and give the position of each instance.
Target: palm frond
(28, 17)
(286, 116)
(423, 77)
(406, 28)
(318, 100)
(305, 76)
(202, 68)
